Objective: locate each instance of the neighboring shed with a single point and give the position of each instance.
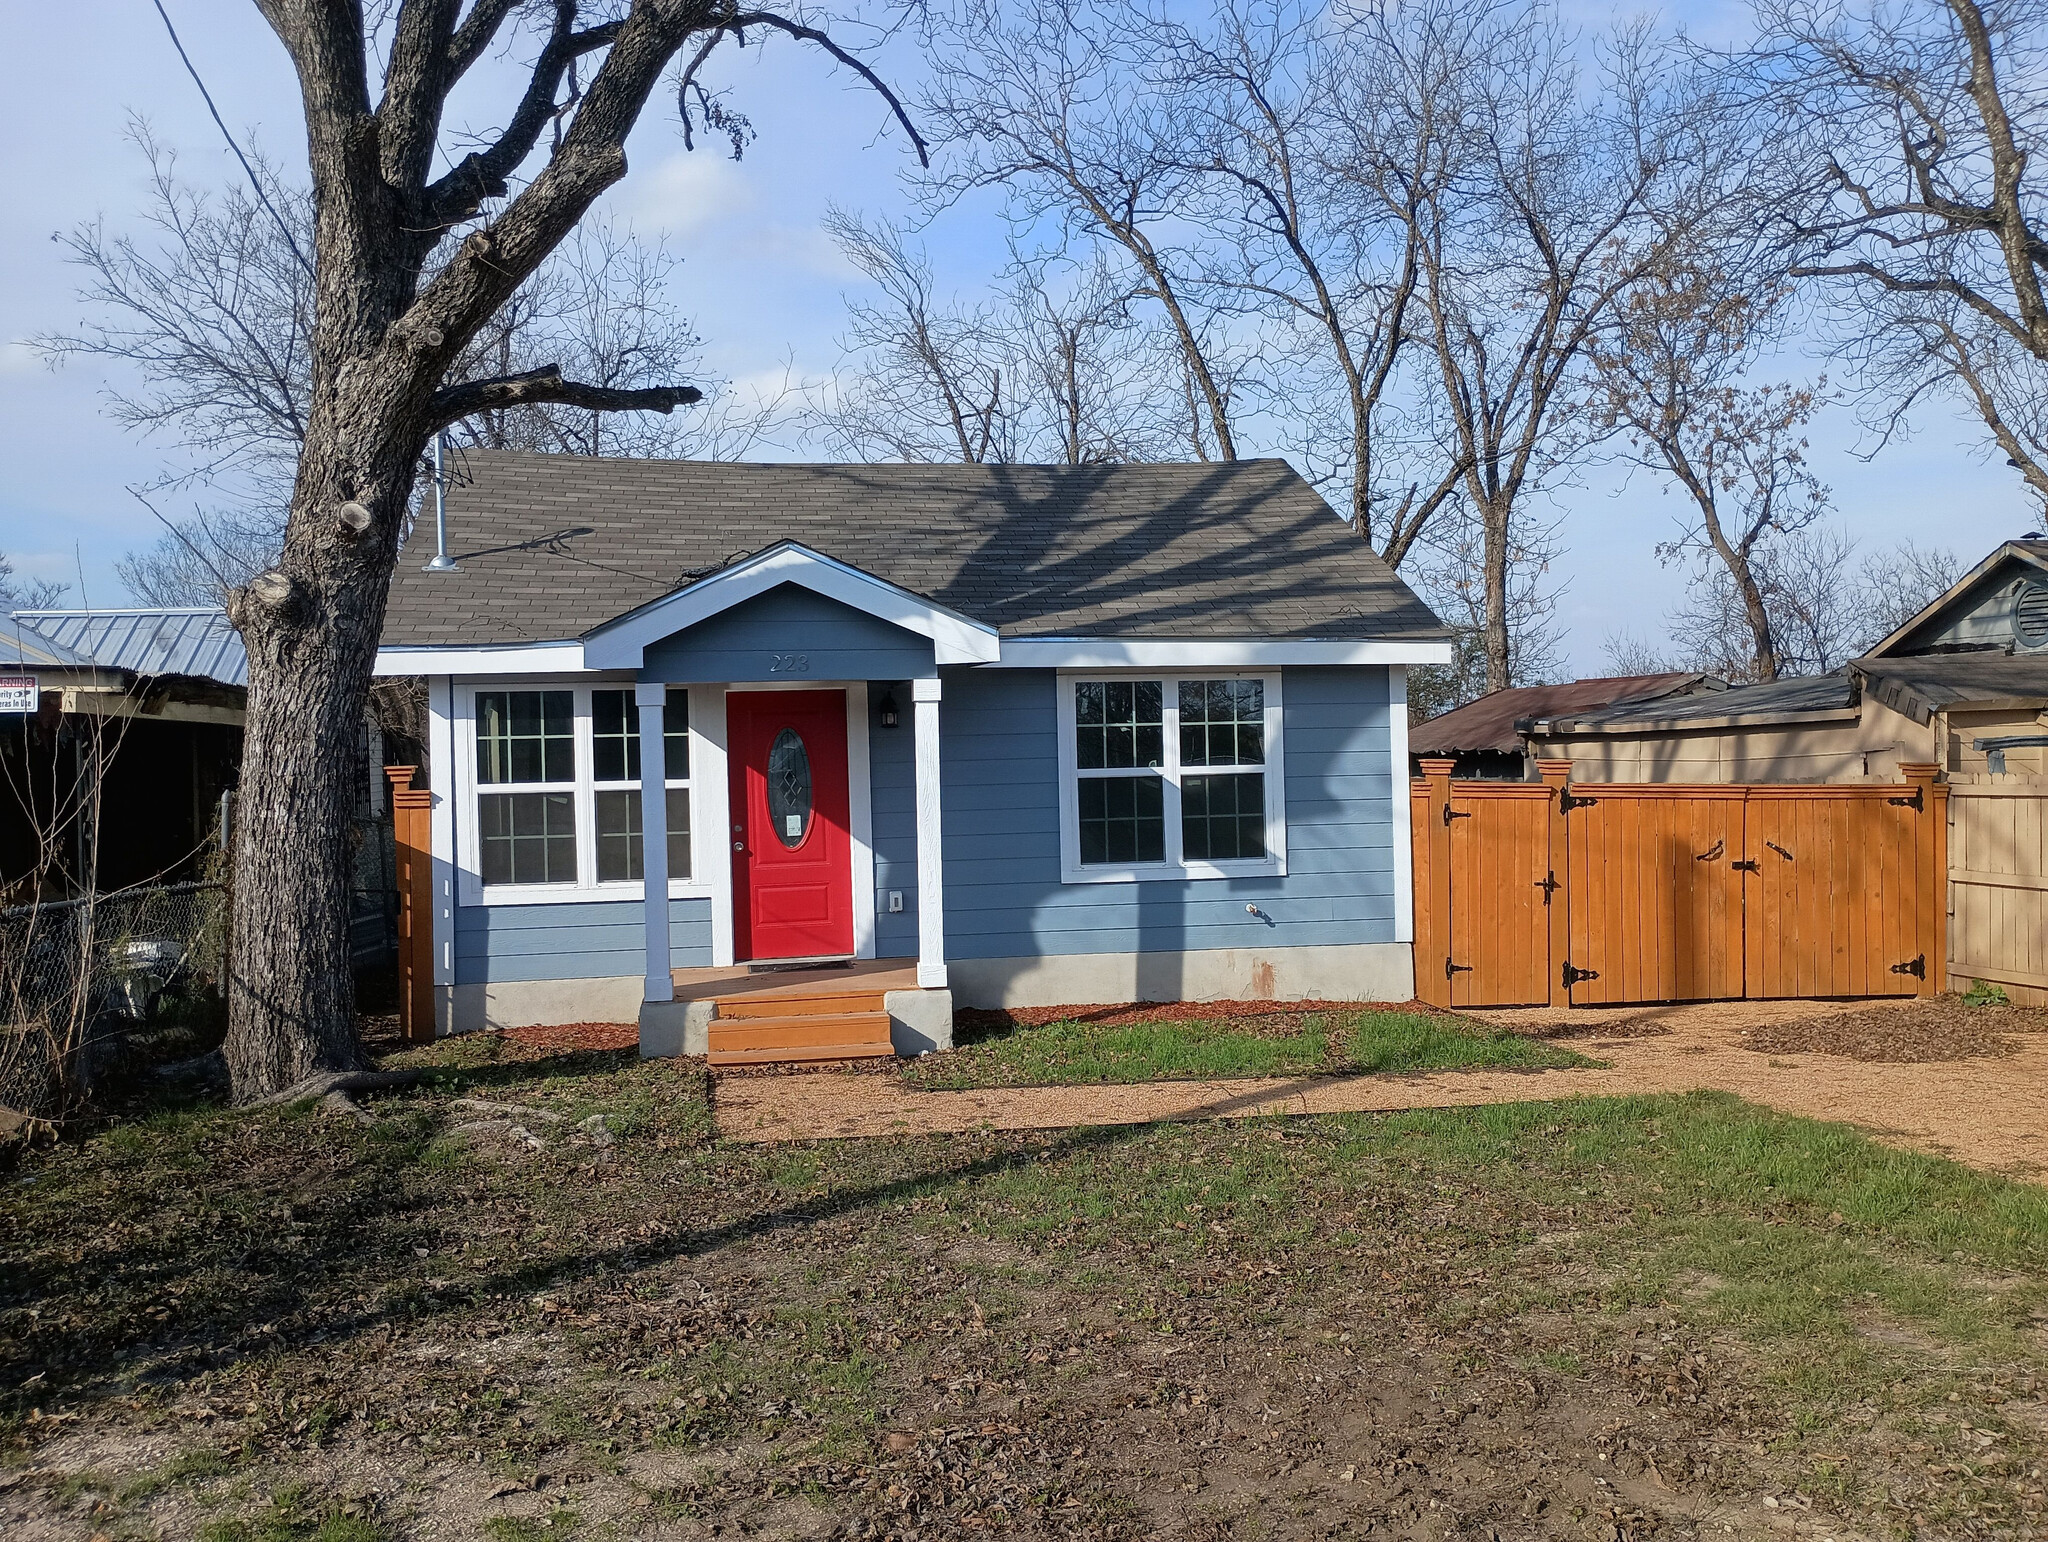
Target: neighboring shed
(1963, 685)
(135, 732)
(1484, 736)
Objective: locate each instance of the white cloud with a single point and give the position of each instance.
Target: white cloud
(688, 194)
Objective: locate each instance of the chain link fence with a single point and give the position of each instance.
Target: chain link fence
(77, 975)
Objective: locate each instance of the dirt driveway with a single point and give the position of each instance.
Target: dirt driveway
(1990, 1110)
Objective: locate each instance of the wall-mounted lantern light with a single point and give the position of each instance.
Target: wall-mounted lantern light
(888, 709)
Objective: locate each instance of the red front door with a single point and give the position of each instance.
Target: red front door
(792, 857)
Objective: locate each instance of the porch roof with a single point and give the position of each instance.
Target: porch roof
(552, 547)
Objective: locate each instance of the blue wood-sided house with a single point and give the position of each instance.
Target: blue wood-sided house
(1055, 734)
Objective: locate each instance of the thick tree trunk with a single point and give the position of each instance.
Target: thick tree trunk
(291, 994)
(1761, 640)
(1494, 554)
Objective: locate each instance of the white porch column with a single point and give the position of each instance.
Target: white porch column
(651, 698)
(931, 875)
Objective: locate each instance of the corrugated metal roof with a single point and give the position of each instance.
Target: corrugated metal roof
(197, 642)
(22, 648)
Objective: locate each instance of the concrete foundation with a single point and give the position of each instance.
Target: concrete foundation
(1369, 971)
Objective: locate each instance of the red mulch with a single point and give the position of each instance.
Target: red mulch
(1129, 1014)
(570, 1038)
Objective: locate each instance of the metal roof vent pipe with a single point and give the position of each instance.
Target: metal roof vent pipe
(442, 562)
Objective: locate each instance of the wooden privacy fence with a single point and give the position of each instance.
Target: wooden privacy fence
(1553, 894)
(1998, 886)
(412, 841)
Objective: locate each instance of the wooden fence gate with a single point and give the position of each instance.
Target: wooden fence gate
(1998, 885)
(1553, 894)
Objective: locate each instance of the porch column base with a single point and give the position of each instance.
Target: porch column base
(670, 1028)
(919, 1021)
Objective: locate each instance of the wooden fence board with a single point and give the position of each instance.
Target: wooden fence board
(1643, 892)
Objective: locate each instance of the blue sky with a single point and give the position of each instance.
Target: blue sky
(763, 282)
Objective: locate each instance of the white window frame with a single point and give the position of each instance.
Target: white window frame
(1175, 867)
(470, 887)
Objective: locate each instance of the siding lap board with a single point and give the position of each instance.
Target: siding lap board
(1000, 796)
(746, 643)
(580, 940)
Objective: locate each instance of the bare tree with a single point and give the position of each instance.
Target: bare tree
(1311, 195)
(1448, 568)
(1047, 100)
(1669, 376)
(1899, 582)
(215, 308)
(1049, 367)
(1907, 137)
(1558, 193)
(929, 383)
(26, 593)
(1824, 608)
(408, 268)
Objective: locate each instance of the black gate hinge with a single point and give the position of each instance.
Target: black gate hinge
(1451, 968)
(1451, 813)
(1566, 803)
(1573, 976)
(1916, 966)
(1912, 803)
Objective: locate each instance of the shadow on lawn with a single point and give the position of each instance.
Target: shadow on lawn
(350, 1251)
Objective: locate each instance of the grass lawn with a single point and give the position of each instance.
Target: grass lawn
(1601, 1319)
(1077, 1051)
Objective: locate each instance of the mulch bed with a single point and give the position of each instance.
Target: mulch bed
(572, 1038)
(1937, 1029)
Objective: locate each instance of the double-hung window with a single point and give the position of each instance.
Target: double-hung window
(615, 784)
(1168, 776)
(557, 783)
(526, 786)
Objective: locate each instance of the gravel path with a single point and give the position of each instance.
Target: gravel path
(1989, 1111)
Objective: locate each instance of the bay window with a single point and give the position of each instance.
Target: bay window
(1166, 776)
(557, 791)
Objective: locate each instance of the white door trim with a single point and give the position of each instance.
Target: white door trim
(860, 811)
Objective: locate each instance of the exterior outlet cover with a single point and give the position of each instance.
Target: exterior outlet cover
(895, 901)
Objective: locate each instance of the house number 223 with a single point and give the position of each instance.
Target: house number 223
(789, 663)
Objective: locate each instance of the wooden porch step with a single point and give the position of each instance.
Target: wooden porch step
(806, 1036)
(837, 1004)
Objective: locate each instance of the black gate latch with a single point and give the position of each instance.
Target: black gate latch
(1451, 968)
(1916, 966)
(1549, 885)
(1573, 976)
(1745, 866)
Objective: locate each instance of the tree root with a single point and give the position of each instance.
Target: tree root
(322, 1084)
(507, 1110)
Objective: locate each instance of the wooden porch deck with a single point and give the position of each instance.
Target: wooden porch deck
(834, 1012)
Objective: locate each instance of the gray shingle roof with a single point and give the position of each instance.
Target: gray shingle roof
(551, 546)
(1924, 684)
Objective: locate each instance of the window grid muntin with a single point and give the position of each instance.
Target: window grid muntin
(1177, 859)
(592, 833)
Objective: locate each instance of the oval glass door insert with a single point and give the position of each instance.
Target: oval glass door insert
(789, 788)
